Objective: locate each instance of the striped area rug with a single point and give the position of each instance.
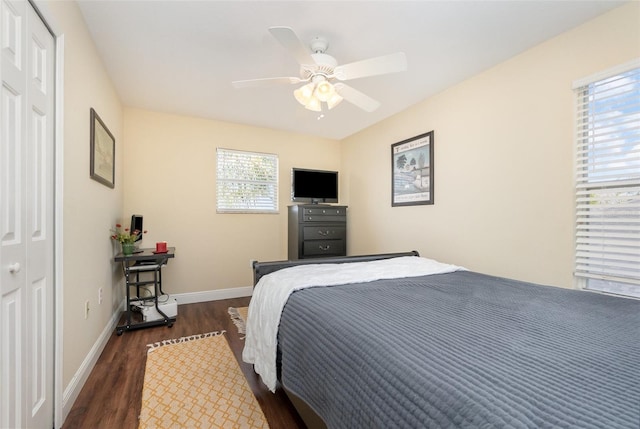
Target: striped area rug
(195, 382)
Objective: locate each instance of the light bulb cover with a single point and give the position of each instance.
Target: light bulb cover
(324, 91)
(334, 100)
(304, 93)
(314, 104)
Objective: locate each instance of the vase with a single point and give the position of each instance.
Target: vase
(127, 249)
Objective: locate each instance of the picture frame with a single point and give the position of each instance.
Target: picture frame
(412, 171)
(103, 151)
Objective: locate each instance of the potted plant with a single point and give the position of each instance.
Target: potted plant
(126, 238)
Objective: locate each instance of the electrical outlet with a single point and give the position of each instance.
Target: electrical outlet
(100, 296)
(251, 261)
(86, 309)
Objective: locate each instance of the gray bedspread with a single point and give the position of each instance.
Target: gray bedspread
(463, 350)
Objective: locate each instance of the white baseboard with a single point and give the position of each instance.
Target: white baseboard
(82, 374)
(73, 389)
(212, 295)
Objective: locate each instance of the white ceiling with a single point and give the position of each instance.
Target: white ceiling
(181, 56)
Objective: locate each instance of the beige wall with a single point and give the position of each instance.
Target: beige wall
(503, 161)
(170, 178)
(89, 208)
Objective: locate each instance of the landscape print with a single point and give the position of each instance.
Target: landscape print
(412, 168)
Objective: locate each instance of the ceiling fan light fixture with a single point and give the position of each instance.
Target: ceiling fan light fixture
(304, 93)
(334, 100)
(324, 91)
(314, 93)
(314, 104)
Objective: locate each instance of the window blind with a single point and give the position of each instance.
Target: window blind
(608, 183)
(247, 182)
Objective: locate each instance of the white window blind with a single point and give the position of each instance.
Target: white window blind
(247, 182)
(608, 183)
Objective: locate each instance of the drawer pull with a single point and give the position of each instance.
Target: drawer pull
(324, 248)
(324, 233)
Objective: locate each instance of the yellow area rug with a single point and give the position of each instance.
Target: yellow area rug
(239, 318)
(195, 382)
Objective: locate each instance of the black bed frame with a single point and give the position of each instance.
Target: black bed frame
(311, 419)
(263, 268)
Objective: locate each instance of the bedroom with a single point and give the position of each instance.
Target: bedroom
(502, 217)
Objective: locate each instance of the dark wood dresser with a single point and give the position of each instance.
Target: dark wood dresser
(317, 231)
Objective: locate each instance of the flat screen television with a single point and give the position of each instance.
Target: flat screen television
(314, 186)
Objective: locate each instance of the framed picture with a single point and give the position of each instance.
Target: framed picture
(412, 171)
(103, 152)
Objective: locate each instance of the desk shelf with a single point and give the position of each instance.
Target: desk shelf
(148, 263)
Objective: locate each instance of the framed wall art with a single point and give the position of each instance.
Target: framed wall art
(103, 152)
(412, 171)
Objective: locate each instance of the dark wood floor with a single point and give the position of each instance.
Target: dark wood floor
(111, 397)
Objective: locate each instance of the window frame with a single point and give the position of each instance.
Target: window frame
(229, 177)
(590, 191)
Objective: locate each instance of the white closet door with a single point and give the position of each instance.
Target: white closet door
(26, 218)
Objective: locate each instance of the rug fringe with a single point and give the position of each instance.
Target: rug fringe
(238, 321)
(154, 346)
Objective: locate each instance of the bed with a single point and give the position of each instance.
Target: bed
(400, 341)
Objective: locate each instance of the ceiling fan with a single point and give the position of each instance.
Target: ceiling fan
(323, 77)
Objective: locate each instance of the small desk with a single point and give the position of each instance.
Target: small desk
(144, 261)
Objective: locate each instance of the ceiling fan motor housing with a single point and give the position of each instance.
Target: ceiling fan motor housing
(319, 45)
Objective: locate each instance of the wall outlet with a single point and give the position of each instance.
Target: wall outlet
(100, 296)
(86, 309)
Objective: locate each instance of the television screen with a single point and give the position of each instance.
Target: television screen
(314, 186)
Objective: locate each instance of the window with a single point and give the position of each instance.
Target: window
(608, 182)
(247, 182)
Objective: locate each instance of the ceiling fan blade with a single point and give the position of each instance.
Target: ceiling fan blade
(371, 67)
(291, 42)
(270, 81)
(356, 97)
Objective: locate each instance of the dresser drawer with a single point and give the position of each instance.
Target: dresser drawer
(324, 211)
(338, 214)
(323, 248)
(324, 232)
(324, 218)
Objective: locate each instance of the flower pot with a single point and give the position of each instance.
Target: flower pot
(128, 248)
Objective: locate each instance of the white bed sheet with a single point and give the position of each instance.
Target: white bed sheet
(273, 290)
